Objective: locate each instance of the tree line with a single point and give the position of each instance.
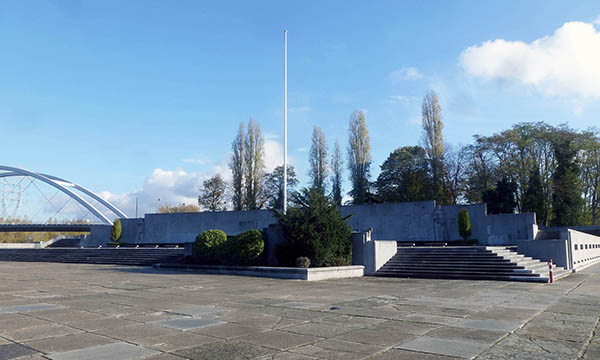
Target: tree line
(553, 171)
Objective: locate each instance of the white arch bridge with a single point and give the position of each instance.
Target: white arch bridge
(71, 189)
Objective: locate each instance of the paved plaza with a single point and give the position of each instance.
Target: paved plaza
(67, 311)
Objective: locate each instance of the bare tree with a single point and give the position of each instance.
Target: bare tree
(337, 168)
(319, 169)
(359, 157)
(212, 194)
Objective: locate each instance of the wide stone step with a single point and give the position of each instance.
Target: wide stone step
(116, 256)
(462, 276)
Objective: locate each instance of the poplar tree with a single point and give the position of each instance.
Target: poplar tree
(337, 164)
(254, 155)
(434, 143)
(359, 157)
(319, 169)
(238, 169)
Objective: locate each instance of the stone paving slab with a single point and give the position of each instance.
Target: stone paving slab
(276, 339)
(457, 348)
(227, 330)
(112, 351)
(224, 350)
(493, 325)
(68, 342)
(187, 323)
(28, 308)
(39, 332)
(13, 351)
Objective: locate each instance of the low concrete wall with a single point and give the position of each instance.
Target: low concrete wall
(310, 274)
(506, 229)
(394, 221)
(557, 250)
(585, 249)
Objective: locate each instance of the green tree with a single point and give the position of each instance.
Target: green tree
(534, 199)
(501, 200)
(464, 224)
(404, 176)
(359, 157)
(589, 160)
(254, 162)
(115, 233)
(181, 208)
(566, 196)
(212, 194)
(319, 169)
(238, 170)
(434, 143)
(337, 168)
(314, 228)
(274, 186)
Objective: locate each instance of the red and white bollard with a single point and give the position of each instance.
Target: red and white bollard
(550, 271)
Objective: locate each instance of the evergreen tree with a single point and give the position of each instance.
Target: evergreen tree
(359, 157)
(501, 200)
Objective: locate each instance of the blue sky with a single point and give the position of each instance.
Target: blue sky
(143, 98)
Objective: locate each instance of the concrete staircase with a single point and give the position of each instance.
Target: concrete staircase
(116, 256)
(467, 262)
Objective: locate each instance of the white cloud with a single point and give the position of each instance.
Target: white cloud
(562, 64)
(405, 73)
(597, 21)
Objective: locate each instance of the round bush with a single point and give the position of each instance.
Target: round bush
(209, 242)
(248, 246)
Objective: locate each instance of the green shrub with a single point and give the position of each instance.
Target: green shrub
(302, 262)
(246, 248)
(315, 229)
(464, 224)
(209, 243)
(115, 233)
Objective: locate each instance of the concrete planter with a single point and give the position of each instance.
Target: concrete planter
(311, 274)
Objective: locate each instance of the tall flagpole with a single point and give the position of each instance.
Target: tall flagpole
(285, 121)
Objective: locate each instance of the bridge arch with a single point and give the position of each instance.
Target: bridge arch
(64, 185)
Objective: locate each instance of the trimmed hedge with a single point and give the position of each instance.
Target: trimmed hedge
(215, 247)
(115, 232)
(464, 224)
